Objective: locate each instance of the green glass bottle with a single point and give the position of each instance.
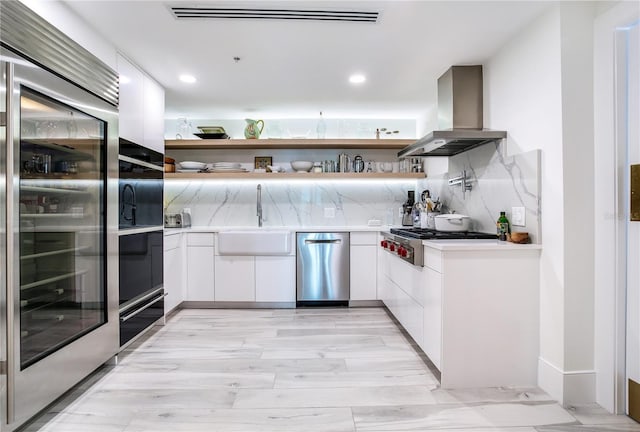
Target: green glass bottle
(502, 226)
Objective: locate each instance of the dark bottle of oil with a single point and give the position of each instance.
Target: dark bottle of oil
(502, 226)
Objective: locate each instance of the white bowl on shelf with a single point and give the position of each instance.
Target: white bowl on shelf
(301, 166)
(193, 165)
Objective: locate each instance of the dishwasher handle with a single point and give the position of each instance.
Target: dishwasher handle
(333, 241)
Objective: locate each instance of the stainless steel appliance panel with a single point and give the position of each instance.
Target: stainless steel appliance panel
(3, 247)
(65, 246)
(322, 266)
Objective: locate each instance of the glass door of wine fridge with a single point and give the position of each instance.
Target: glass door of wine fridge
(62, 238)
(62, 307)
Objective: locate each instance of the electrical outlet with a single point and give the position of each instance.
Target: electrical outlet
(330, 212)
(518, 216)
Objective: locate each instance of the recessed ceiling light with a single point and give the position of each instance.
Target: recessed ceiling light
(357, 79)
(189, 79)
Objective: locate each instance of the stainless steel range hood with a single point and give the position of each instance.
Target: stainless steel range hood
(460, 116)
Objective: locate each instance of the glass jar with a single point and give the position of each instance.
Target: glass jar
(317, 167)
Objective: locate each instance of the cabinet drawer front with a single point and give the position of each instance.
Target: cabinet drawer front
(200, 239)
(364, 238)
(433, 259)
(172, 241)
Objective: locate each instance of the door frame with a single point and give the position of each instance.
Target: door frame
(610, 207)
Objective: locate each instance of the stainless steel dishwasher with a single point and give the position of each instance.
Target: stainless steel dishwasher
(322, 270)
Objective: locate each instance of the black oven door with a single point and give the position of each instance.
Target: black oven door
(140, 186)
(141, 282)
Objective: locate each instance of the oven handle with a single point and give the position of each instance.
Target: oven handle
(139, 162)
(142, 299)
(148, 305)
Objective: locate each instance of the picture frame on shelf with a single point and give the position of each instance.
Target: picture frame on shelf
(261, 162)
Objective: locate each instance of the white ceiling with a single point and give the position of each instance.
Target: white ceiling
(293, 69)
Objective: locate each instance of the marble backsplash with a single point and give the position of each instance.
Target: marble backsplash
(498, 184)
(297, 203)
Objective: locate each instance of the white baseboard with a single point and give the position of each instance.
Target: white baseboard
(567, 387)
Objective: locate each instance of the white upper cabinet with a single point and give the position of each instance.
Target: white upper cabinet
(153, 115)
(131, 106)
(141, 107)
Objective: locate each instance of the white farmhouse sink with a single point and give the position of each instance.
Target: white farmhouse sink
(254, 242)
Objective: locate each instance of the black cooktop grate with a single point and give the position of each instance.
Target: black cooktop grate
(431, 234)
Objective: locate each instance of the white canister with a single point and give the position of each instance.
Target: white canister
(452, 222)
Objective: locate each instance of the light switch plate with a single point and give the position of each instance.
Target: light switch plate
(329, 212)
(518, 216)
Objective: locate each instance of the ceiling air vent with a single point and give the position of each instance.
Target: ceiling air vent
(271, 14)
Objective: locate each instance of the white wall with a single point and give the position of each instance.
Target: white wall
(523, 96)
(59, 15)
(577, 20)
(539, 88)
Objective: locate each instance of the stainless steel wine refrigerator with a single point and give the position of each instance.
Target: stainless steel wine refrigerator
(58, 213)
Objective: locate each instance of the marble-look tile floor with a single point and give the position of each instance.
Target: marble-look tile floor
(303, 370)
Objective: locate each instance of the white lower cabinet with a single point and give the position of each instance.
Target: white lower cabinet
(275, 279)
(481, 325)
(235, 278)
(173, 272)
(200, 267)
(363, 263)
(432, 333)
(403, 295)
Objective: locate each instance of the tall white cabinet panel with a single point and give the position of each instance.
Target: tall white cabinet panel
(153, 115)
(200, 267)
(275, 279)
(141, 107)
(131, 106)
(363, 262)
(235, 278)
(173, 272)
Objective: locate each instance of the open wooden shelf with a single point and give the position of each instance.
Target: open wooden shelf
(291, 175)
(272, 143)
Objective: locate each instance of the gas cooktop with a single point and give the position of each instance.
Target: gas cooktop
(431, 234)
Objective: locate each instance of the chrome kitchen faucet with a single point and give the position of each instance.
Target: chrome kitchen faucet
(259, 204)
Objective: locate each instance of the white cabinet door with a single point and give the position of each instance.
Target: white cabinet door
(200, 273)
(235, 278)
(363, 274)
(432, 335)
(172, 279)
(153, 115)
(200, 266)
(276, 279)
(131, 105)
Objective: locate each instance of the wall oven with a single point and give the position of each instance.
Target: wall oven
(141, 223)
(58, 170)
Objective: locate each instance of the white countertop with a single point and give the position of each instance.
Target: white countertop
(471, 245)
(206, 229)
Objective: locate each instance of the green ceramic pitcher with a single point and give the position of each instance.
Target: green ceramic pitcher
(253, 129)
